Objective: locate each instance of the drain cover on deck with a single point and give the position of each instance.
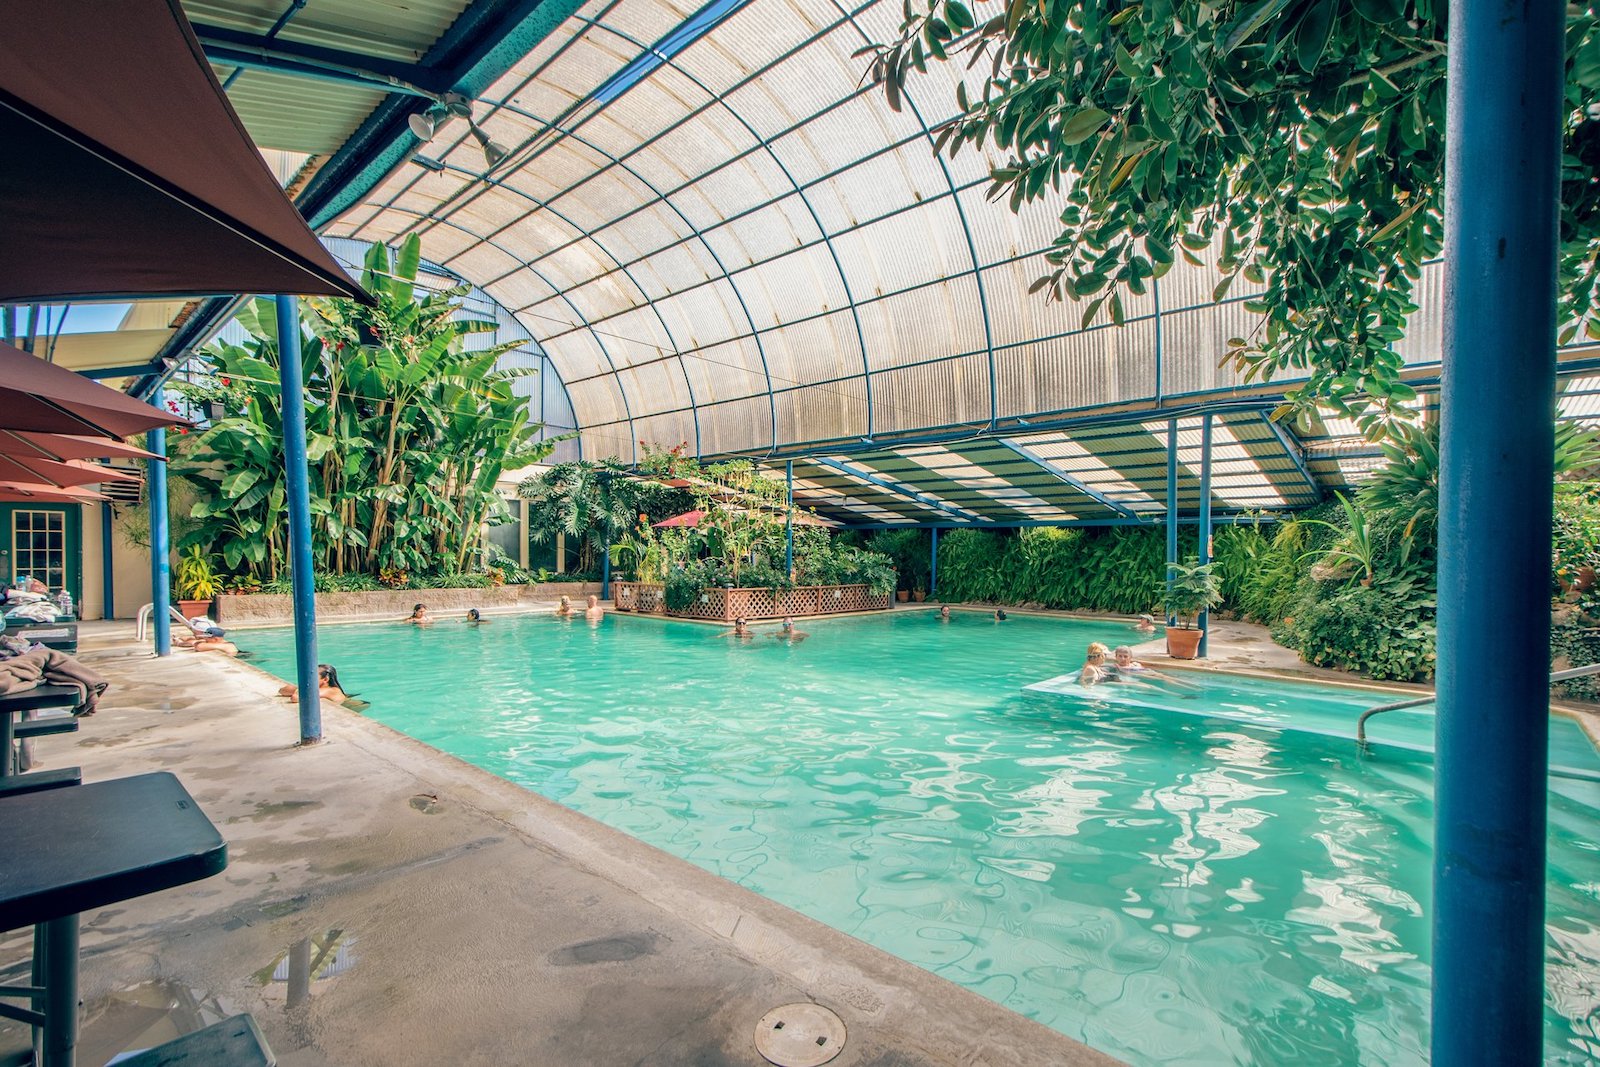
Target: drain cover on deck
(800, 1035)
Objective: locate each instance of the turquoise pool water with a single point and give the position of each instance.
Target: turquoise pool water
(1182, 880)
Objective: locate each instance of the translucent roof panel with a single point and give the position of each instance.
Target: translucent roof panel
(708, 206)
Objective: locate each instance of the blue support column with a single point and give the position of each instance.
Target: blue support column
(291, 377)
(1172, 506)
(160, 540)
(1503, 139)
(788, 519)
(108, 583)
(605, 567)
(933, 565)
(1204, 531)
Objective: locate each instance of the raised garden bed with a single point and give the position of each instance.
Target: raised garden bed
(725, 605)
(271, 609)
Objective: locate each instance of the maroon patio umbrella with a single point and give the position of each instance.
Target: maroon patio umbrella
(37, 492)
(689, 519)
(35, 395)
(49, 472)
(129, 173)
(62, 446)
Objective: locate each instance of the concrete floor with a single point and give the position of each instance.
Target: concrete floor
(465, 920)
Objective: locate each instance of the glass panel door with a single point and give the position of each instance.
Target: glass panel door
(39, 546)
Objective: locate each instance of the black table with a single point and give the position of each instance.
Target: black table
(74, 850)
(39, 698)
(62, 634)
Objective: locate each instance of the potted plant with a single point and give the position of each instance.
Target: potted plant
(196, 582)
(1195, 587)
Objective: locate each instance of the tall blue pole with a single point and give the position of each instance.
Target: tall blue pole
(1172, 506)
(1204, 532)
(788, 519)
(108, 583)
(1502, 168)
(933, 565)
(160, 539)
(605, 567)
(291, 377)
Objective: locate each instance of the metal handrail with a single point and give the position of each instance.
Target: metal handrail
(143, 619)
(1361, 723)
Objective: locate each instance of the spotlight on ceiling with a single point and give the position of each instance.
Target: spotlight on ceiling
(426, 123)
(493, 151)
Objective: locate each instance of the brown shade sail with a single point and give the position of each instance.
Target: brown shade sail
(63, 446)
(39, 493)
(35, 395)
(128, 172)
(75, 472)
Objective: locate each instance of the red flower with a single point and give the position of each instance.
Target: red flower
(227, 381)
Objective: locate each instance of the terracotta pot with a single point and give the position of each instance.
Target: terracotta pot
(193, 608)
(918, 595)
(1183, 643)
(902, 595)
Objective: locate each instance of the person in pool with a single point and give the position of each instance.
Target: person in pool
(594, 611)
(475, 618)
(564, 608)
(999, 614)
(788, 633)
(944, 613)
(1146, 624)
(1094, 665)
(740, 631)
(419, 615)
(328, 687)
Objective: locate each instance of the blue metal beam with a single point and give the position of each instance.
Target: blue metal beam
(132, 370)
(1172, 508)
(933, 565)
(238, 48)
(160, 538)
(1230, 519)
(788, 519)
(1503, 144)
(291, 378)
(484, 42)
(967, 517)
(1205, 524)
(1295, 452)
(1056, 472)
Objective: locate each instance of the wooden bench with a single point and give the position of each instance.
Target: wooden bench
(235, 1042)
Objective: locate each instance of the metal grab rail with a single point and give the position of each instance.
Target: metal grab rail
(1361, 723)
(149, 610)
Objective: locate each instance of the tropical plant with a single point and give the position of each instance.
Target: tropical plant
(195, 578)
(1355, 544)
(1193, 587)
(1299, 143)
(407, 431)
(595, 503)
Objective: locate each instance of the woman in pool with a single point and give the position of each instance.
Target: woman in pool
(475, 618)
(944, 613)
(419, 616)
(327, 686)
(1094, 665)
(564, 607)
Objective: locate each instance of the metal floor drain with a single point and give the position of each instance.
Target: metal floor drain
(800, 1035)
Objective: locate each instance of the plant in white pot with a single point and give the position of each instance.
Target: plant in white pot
(1195, 587)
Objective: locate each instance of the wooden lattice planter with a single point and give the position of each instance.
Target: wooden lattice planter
(725, 605)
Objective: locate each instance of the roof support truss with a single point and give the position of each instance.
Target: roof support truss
(897, 489)
(1056, 472)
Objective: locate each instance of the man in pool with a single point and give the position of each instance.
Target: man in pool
(944, 613)
(1146, 624)
(740, 631)
(475, 618)
(999, 614)
(788, 633)
(594, 611)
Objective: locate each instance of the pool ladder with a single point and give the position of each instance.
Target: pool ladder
(148, 610)
(1361, 723)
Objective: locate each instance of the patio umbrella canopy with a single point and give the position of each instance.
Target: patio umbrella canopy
(40, 396)
(689, 519)
(129, 173)
(74, 472)
(61, 446)
(38, 492)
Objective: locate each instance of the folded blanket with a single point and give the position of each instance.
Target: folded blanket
(38, 611)
(49, 666)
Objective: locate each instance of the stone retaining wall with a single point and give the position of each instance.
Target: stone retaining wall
(272, 609)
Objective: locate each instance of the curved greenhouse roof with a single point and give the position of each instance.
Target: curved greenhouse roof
(720, 235)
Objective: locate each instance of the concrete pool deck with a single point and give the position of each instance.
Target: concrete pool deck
(453, 918)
